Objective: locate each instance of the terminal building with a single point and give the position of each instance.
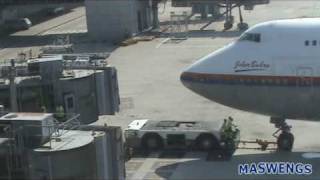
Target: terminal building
(107, 20)
(114, 20)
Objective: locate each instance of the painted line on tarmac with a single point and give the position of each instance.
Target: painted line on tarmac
(162, 42)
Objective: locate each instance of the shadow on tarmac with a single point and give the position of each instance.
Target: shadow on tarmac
(206, 34)
(81, 42)
(228, 169)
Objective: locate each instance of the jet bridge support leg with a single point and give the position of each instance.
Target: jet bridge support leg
(285, 139)
(241, 25)
(229, 18)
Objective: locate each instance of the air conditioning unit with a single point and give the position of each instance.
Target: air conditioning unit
(49, 68)
(30, 129)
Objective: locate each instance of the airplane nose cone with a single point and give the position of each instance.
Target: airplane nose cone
(205, 76)
(198, 83)
(185, 79)
(194, 81)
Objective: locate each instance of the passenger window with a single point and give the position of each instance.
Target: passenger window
(314, 42)
(306, 43)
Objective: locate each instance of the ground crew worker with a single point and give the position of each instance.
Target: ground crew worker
(228, 134)
(59, 112)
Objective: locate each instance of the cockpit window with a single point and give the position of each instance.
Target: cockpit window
(255, 37)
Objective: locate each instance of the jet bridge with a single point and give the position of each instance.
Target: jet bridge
(215, 6)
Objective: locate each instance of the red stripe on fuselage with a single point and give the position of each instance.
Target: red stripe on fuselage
(232, 77)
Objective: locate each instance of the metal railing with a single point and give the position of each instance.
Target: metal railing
(179, 26)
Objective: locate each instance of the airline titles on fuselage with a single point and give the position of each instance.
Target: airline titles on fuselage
(241, 66)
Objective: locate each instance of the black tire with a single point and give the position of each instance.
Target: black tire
(152, 142)
(207, 142)
(227, 25)
(243, 26)
(285, 141)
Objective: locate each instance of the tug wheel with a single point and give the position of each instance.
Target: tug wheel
(152, 142)
(243, 26)
(207, 142)
(227, 25)
(285, 141)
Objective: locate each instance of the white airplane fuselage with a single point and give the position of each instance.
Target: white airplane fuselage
(272, 69)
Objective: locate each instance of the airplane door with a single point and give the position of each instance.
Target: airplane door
(304, 77)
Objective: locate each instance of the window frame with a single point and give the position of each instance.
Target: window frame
(251, 37)
(314, 42)
(306, 43)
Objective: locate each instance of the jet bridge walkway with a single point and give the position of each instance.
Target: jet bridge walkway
(227, 5)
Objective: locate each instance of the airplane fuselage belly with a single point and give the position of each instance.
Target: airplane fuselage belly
(276, 101)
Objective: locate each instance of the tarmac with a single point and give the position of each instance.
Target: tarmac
(150, 88)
